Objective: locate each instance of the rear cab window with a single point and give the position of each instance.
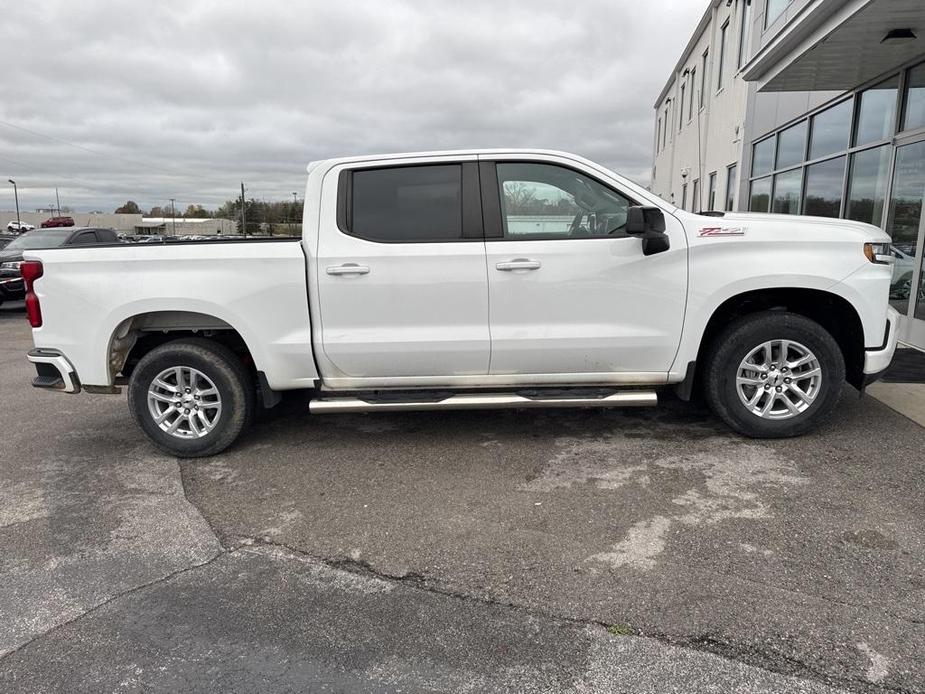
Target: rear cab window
(425, 203)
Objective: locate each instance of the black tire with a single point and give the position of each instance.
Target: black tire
(738, 339)
(218, 363)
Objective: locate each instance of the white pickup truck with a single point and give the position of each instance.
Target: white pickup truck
(485, 279)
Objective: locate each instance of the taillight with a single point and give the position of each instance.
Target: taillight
(31, 270)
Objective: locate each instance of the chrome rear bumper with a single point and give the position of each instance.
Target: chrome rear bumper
(54, 371)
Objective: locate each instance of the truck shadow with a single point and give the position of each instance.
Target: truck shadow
(672, 419)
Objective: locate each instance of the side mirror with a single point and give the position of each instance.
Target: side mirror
(648, 223)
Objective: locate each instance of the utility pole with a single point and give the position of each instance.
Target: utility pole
(16, 195)
(295, 204)
(58, 201)
(173, 216)
(243, 218)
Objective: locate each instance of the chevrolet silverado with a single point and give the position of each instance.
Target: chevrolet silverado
(473, 279)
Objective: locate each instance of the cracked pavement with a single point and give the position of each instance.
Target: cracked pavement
(475, 551)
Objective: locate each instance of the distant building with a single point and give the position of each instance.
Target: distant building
(124, 223)
(182, 226)
(805, 107)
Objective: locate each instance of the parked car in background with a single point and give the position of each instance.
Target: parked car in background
(19, 227)
(385, 304)
(53, 222)
(11, 284)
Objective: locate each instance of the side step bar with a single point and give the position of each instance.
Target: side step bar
(486, 401)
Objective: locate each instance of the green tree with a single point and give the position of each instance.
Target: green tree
(130, 207)
(263, 217)
(197, 212)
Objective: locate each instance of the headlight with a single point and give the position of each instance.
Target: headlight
(878, 253)
(12, 265)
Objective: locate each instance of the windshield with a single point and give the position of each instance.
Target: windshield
(38, 239)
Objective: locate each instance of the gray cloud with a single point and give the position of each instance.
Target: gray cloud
(185, 98)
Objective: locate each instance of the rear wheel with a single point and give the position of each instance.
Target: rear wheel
(774, 375)
(191, 397)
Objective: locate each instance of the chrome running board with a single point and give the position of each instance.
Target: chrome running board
(485, 401)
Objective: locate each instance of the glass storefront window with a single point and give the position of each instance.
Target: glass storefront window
(745, 28)
(760, 196)
(867, 180)
(791, 146)
(914, 117)
(730, 187)
(723, 32)
(823, 188)
(775, 7)
(763, 157)
(831, 130)
(877, 112)
(903, 227)
(787, 192)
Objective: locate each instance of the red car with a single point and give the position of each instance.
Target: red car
(52, 222)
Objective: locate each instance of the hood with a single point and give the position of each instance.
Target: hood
(815, 226)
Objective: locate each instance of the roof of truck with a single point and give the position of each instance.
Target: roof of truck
(445, 153)
(640, 190)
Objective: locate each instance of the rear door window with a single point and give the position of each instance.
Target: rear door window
(407, 204)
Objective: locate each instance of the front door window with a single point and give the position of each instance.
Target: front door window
(541, 201)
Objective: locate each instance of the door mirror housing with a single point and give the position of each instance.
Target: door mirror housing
(649, 224)
(641, 219)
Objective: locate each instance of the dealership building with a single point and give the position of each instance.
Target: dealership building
(805, 107)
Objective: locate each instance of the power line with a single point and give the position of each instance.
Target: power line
(183, 172)
(134, 162)
(137, 192)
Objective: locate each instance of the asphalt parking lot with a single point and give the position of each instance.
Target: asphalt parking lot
(625, 551)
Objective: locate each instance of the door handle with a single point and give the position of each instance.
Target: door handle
(347, 269)
(519, 264)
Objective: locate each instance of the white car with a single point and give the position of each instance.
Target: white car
(474, 279)
(19, 226)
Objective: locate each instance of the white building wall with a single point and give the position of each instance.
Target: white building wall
(711, 140)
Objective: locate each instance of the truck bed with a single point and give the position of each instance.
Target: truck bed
(255, 286)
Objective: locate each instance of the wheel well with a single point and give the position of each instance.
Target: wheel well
(138, 335)
(831, 311)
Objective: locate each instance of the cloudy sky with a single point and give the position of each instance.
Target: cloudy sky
(186, 98)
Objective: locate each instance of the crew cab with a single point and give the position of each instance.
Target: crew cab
(474, 279)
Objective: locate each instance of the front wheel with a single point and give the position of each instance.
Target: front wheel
(774, 375)
(191, 397)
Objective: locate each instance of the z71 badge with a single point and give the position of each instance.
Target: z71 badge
(722, 231)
